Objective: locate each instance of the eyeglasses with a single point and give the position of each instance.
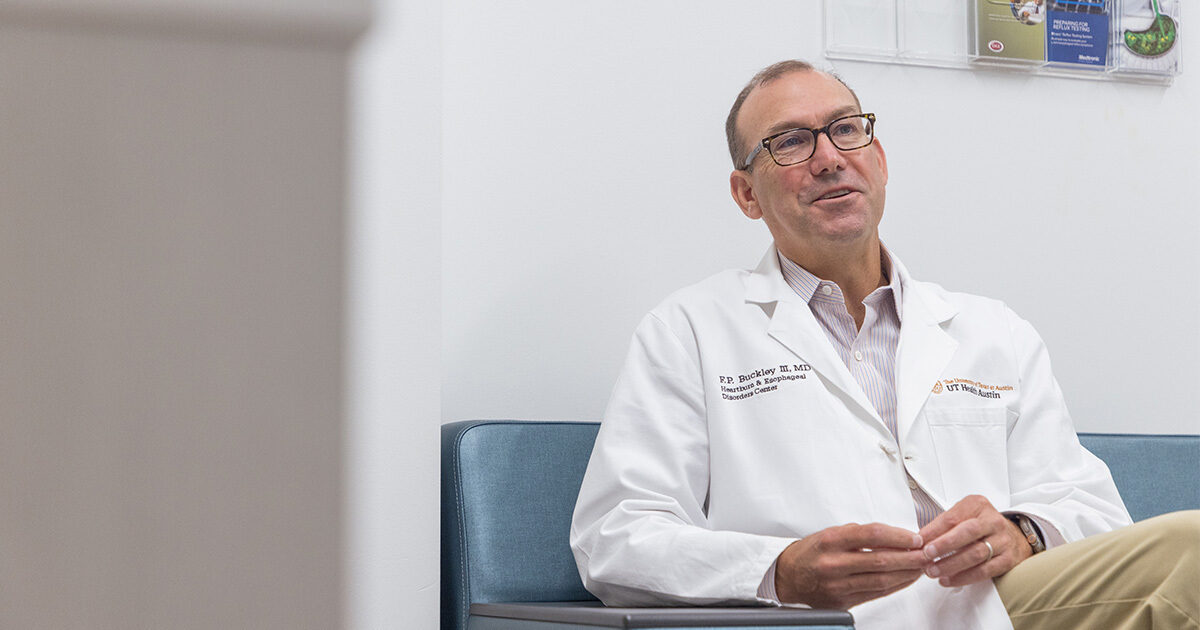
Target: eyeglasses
(794, 146)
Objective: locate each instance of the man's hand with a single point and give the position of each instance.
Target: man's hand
(847, 565)
(955, 542)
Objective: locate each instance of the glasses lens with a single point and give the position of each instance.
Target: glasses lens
(792, 147)
(851, 132)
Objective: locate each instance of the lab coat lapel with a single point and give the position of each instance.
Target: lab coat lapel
(794, 326)
(924, 351)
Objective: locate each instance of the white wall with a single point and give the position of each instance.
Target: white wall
(394, 316)
(535, 175)
(585, 177)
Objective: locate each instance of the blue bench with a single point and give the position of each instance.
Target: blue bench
(509, 488)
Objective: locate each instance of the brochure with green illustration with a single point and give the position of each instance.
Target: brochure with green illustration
(1147, 40)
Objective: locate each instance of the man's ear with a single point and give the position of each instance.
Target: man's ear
(742, 190)
(882, 159)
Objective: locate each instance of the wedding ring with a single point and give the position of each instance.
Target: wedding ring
(991, 552)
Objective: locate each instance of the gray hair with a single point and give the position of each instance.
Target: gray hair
(765, 76)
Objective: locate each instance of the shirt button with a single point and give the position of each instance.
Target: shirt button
(858, 355)
(912, 483)
(826, 289)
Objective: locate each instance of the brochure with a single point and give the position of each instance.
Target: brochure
(1077, 32)
(1010, 30)
(1147, 40)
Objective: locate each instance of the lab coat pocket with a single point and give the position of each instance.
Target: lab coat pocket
(971, 447)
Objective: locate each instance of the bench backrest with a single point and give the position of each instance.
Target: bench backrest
(1155, 474)
(508, 491)
(509, 488)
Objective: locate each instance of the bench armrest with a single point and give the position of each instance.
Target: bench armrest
(593, 615)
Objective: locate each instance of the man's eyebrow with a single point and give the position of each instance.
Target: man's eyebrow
(791, 124)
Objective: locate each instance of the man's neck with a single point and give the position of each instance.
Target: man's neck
(857, 272)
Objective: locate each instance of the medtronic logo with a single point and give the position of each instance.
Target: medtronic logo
(996, 45)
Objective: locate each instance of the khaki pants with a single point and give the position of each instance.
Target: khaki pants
(1146, 575)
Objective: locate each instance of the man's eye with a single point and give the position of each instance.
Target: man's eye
(845, 129)
(791, 141)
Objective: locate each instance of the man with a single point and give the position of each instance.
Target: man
(827, 431)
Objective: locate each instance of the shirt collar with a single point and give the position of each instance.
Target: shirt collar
(805, 284)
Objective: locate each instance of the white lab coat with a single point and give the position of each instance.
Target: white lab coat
(708, 463)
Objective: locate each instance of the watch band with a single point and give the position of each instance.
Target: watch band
(1032, 535)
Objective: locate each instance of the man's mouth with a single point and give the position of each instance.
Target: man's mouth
(835, 194)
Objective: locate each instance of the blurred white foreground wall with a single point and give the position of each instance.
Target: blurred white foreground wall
(172, 196)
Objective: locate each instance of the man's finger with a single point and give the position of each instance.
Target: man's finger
(882, 561)
(968, 557)
(960, 536)
(977, 573)
(874, 536)
(965, 509)
(941, 524)
(855, 599)
(874, 582)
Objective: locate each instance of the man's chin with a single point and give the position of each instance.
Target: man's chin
(850, 230)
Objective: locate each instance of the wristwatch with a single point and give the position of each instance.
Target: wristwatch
(1032, 535)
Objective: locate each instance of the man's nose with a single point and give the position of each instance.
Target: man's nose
(826, 157)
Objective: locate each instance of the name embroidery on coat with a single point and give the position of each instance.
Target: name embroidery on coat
(762, 380)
